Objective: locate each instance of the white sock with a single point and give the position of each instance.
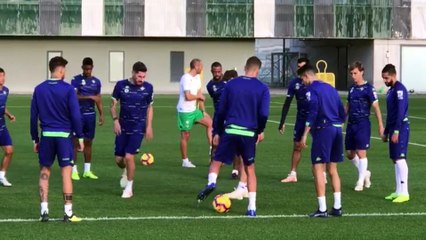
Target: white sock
(403, 174)
(2, 174)
(337, 200)
(124, 172)
(397, 180)
(242, 185)
(68, 209)
(362, 170)
(44, 208)
(293, 173)
(322, 205)
(74, 168)
(185, 160)
(252, 201)
(355, 161)
(87, 167)
(129, 186)
(212, 178)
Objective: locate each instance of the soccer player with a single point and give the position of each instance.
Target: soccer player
(134, 122)
(361, 97)
(239, 124)
(187, 113)
(55, 105)
(88, 89)
(324, 121)
(295, 89)
(5, 139)
(397, 132)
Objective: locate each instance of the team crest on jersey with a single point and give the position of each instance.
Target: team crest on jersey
(4, 92)
(214, 88)
(142, 88)
(297, 87)
(308, 96)
(400, 94)
(83, 82)
(361, 88)
(126, 89)
(352, 89)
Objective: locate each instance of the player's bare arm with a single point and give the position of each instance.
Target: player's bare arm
(114, 116)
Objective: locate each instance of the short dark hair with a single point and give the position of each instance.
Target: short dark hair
(303, 59)
(229, 74)
(253, 62)
(307, 68)
(390, 69)
(1, 70)
(216, 64)
(139, 67)
(57, 61)
(357, 65)
(87, 61)
(193, 62)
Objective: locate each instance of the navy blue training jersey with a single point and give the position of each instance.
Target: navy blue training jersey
(134, 103)
(397, 107)
(245, 103)
(55, 105)
(4, 93)
(360, 99)
(86, 87)
(298, 89)
(325, 106)
(215, 89)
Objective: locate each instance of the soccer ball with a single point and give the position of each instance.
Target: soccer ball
(147, 159)
(221, 203)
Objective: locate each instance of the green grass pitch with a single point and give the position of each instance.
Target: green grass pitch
(167, 192)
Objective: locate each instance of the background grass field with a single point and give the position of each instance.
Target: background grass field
(166, 190)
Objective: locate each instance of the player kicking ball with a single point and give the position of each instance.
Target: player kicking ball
(134, 122)
(239, 124)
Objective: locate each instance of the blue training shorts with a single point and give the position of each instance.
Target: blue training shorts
(299, 129)
(5, 139)
(399, 150)
(231, 145)
(358, 136)
(89, 126)
(52, 147)
(128, 143)
(327, 145)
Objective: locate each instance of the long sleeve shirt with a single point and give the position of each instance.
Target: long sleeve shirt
(397, 107)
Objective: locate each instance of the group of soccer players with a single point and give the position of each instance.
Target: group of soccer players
(320, 111)
(67, 117)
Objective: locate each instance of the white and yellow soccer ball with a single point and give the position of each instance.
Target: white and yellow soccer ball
(147, 159)
(221, 203)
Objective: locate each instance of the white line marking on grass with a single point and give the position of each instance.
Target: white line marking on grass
(377, 138)
(105, 219)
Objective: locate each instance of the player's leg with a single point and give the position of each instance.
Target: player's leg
(362, 143)
(204, 119)
(320, 155)
(75, 176)
(295, 160)
(252, 188)
(185, 123)
(299, 128)
(46, 156)
(362, 169)
(336, 156)
(133, 144)
(8, 153)
(241, 190)
(224, 153)
(236, 167)
(6, 143)
(65, 151)
(89, 135)
(119, 152)
(400, 154)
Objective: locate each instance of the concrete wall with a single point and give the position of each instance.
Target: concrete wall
(25, 61)
(389, 51)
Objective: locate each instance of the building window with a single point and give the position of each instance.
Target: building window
(114, 15)
(116, 66)
(177, 65)
(19, 17)
(70, 17)
(50, 55)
